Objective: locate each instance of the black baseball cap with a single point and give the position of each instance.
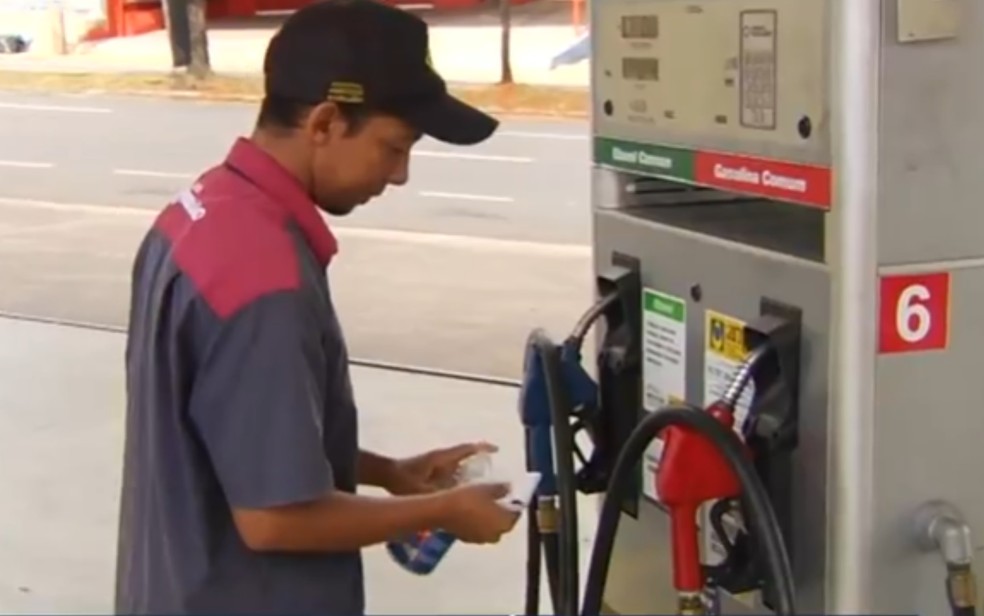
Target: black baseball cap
(368, 53)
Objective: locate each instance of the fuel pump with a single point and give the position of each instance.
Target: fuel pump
(761, 167)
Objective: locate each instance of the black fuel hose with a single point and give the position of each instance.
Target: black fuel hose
(966, 610)
(760, 513)
(551, 551)
(566, 598)
(535, 540)
(532, 607)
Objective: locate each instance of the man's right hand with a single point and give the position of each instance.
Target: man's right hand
(475, 516)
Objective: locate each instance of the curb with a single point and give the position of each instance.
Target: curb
(177, 90)
(253, 98)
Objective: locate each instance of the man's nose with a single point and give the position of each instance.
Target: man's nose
(401, 173)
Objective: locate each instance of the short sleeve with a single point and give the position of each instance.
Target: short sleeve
(257, 405)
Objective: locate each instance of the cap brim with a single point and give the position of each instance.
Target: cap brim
(453, 121)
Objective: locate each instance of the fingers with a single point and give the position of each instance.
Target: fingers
(454, 455)
(497, 490)
(427, 487)
(508, 523)
(485, 446)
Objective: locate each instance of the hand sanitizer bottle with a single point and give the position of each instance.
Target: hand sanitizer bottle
(422, 552)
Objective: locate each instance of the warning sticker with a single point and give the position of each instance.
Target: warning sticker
(724, 351)
(664, 373)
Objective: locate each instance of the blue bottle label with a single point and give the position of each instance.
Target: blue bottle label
(420, 553)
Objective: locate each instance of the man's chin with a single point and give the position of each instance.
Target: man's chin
(339, 210)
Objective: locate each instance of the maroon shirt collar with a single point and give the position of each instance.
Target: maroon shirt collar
(286, 192)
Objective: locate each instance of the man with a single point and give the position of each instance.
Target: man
(241, 458)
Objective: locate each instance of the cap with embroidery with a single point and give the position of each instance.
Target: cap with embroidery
(369, 53)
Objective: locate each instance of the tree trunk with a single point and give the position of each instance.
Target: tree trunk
(176, 21)
(505, 20)
(200, 65)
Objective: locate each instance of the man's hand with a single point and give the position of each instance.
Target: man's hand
(430, 471)
(475, 515)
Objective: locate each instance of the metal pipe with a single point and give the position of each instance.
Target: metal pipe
(939, 526)
(744, 374)
(953, 538)
(855, 45)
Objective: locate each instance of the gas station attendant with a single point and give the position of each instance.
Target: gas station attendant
(242, 453)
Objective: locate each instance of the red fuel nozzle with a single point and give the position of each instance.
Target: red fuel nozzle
(691, 472)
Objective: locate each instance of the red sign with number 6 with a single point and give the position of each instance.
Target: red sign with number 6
(914, 313)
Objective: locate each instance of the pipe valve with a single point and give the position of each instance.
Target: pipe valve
(940, 527)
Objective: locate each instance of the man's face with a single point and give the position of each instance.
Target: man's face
(350, 167)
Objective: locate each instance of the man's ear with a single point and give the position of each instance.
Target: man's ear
(324, 123)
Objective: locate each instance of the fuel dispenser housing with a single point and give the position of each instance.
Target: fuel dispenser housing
(818, 161)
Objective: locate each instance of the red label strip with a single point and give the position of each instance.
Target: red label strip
(778, 180)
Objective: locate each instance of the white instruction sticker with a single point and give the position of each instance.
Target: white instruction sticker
(664, 349)
(664, 367)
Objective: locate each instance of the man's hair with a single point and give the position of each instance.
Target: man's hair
(283, 114)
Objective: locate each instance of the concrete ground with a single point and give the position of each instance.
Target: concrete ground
(402, 297)
(61, 412)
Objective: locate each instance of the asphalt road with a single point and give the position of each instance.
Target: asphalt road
(448, 272)
(529, 182)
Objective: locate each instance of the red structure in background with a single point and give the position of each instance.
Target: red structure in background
(131, 17)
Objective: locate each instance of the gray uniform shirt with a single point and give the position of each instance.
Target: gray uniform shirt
(238, 395)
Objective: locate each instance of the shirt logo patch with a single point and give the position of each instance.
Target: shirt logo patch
(191, 204)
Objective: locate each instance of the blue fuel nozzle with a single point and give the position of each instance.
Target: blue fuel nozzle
(534, 405)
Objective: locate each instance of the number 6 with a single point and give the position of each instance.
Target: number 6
(907, 309)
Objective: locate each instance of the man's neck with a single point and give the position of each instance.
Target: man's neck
(285, 152)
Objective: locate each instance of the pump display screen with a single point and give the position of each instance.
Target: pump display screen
(640, 26)
(640, 69)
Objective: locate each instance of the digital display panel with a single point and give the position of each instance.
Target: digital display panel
(640, 69)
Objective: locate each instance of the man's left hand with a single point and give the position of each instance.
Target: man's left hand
(433, 470)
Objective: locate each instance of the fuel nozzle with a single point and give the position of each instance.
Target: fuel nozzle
(692, 471)
(939, 526)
